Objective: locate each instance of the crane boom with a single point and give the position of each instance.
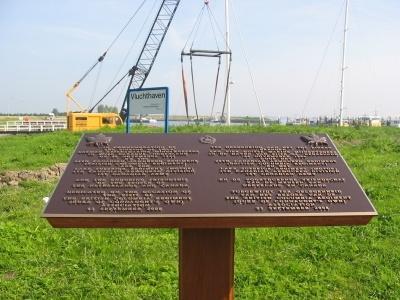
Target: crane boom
(140, 71)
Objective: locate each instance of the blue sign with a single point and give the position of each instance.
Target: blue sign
(148, 101)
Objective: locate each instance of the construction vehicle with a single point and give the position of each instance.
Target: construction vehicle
(86, 119)
(80, 121)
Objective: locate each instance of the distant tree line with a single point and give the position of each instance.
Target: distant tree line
(57, 113)
(107, 109)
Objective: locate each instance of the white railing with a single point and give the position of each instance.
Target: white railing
(33, 126)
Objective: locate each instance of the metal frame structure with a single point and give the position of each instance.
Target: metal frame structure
(205, 53)
(213, 54)
(140, 71)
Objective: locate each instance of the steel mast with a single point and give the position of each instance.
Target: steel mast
(343, 63)
(140, 71)
(227, 49)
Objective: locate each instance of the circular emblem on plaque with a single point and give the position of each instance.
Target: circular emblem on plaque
(207, 139)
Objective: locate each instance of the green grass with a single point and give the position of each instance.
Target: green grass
(24, 152)
(37, 261)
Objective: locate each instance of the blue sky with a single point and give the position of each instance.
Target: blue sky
(46, 45)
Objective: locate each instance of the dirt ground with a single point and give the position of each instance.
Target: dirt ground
(14, 178)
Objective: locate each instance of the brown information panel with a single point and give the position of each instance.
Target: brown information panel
(207, 180)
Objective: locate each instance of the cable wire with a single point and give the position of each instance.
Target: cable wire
(133, 44)
(212, 27)
(101, 58)
(198, 28)
(126, 25)
(219, 29)
(228, 75)
(198, 19)
(193, 87)
(248, 65)
(124, 87)
(113, 87)
(216, 87)
(96, 82)
(325, 53)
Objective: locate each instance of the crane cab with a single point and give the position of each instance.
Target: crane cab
(82, 121)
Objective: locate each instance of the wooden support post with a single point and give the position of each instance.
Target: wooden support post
(206, 258)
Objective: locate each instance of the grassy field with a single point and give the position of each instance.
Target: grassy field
(37, 261)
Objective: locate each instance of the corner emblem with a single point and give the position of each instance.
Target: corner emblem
(99, 140)
(207, 139)
(315, 140)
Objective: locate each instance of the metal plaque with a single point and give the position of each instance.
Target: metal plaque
(207, 180)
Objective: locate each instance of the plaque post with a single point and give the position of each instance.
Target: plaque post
(127, 113)
(206, 259)
(166, 113)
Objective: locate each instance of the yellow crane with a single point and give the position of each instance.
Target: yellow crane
(85, 119)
